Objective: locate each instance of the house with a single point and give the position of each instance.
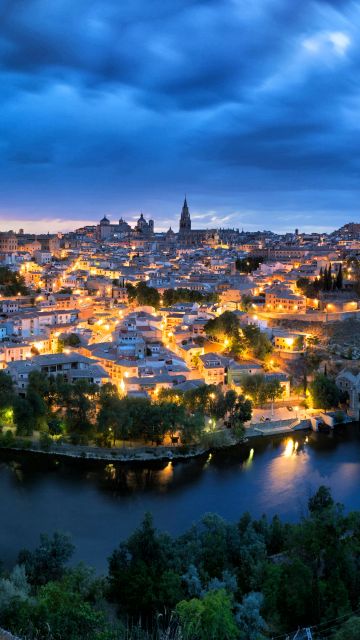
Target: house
(212, 367)
(349, 381)
(289, 344)
(151, 384)
(237, 370)
(9, 305)
(130, 343)
(72, 366)
(284, 381)
(107, 354)
(283, 300)
(190, 352)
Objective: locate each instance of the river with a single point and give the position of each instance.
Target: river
(101, 504)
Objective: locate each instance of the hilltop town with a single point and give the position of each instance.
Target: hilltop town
(213, 320)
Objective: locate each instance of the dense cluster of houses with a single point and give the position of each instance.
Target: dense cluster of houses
(77, 285)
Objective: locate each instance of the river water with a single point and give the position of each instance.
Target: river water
(101, 504)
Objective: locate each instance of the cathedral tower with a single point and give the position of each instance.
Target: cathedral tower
(185, 220)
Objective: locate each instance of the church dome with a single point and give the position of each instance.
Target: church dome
(104, 220)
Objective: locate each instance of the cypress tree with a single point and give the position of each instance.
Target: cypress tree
(325, 280)
(329, 281)
(321, 279)
(339, 278)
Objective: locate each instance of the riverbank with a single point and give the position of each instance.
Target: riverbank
(154, 454)
(114, 454)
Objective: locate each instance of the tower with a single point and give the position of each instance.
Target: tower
(185, 220)
(104, 229)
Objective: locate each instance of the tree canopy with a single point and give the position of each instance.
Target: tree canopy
(173, 296)
(246, 580)
(143, 294)
(325, 394)
(12, 283)
(248, 264)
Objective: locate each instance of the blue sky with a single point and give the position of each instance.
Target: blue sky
(251, 107)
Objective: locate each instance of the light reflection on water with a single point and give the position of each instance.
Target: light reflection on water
(166, 475)
(288, 469)
(247, 464)
(100, 504)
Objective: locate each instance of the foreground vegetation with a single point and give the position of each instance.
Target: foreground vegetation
(85, 413)
(248, 581)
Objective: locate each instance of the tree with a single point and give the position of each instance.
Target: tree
(274, 390)
(113, 418)
(308, 288)
(257, 341)
(60, 392)
(224, 326)
(320, 501)
(261, 388)
(173, 296)
(131, 291)
(143, 294)
(14, 587)
(48, 560)
(56, 425)
(63, 613)
(37, 395)
(246, 302)
(6, 390)
(7, 397)
(294, 591)
(192, 427)
(248, 617)
(211, 618)
(327, 280)
(308, 363)
(324, 392)
(252, 385)
(339, 278)
(242, 411)
(172, 415)
(71, 340)
(147, 295)
(200, 399)
(230, 400)
(80, 410)
(350, 630)
(302, 284)
(248, 264)
(12, 283)
(141, 578)
(24, 418)
(66, 609)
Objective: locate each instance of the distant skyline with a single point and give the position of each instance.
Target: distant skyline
(251, 108)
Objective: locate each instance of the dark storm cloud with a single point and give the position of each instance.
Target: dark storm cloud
(249, 106)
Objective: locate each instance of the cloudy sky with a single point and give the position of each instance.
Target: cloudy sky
(250, 107)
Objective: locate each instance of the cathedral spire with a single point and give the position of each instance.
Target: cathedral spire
(185, 220)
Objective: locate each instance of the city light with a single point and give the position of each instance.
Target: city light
(179, 290)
